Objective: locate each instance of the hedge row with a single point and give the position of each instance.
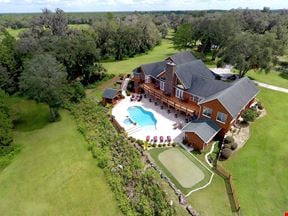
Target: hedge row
(136, 189)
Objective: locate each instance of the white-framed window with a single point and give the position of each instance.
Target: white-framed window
(147, 79)
(179, 93)
(207, 112)
(162, 85)
(222, 117)
(195, 98)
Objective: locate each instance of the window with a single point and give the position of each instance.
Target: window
(179, 93)
(222, 117)
(147, 79)
(195, 98)
(162, 85)
(207, 112)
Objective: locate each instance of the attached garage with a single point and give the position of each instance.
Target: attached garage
(200, 132)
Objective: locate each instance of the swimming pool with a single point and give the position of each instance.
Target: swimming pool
(141, 116)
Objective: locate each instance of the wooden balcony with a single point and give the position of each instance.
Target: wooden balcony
(171, 101)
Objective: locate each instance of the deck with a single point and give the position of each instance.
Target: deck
(171, 101)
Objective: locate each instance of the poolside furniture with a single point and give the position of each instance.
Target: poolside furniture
(155, 139)
(169, 139)
(147, 138)
(161, 139)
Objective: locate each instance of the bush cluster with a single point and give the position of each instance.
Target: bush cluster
(249, 115)
(137, 191)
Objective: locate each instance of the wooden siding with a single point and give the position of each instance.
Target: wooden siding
(194, 140)
(216, 107)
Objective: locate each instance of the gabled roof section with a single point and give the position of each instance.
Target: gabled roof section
(154, 69)
(205, 128)
(110, 93)
(205, 87)
(237, 96)
(186, 71)
(182, 57)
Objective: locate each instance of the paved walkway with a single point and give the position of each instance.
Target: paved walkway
(272, 87)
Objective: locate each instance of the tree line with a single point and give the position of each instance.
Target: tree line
(50, 60)
(246, 39)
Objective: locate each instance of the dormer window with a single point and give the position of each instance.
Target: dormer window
(179, 93)
(162, 85)
(147, 79)
(207, 112)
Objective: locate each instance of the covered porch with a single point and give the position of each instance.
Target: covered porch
(170, 101)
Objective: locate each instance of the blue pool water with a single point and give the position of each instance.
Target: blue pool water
(141, 116)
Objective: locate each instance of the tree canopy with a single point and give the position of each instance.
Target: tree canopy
(43, 79)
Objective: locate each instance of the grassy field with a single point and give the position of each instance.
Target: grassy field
(260, 169)
(273, 78)
(157, 54)
(79, 26)
(156, 153)
(182, 168)
(54, 174)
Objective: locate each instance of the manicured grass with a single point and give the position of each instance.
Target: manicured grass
(159, 53)
(182, 169)
(272, 77)
(260, 168)
(212, 200)
(54, 174)
(176, 178)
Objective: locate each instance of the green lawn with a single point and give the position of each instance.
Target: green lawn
(181, 177)
(159, 53)
(260, 169)
(272, 77)
(54, 174)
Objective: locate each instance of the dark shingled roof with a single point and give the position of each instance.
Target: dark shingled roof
(186, 71)
(205, 128)
(182, 57)
(205, 87)
(154, 69)
(110, 93)
(237, 96)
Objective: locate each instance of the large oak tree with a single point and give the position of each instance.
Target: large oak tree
(43, 79)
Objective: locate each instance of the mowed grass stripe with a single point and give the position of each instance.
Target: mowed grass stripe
(183, 169)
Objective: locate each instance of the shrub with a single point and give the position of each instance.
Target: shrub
(154, 145)
(228, 139)
(226, 153)
(260, 106)
(234, 146)
(249, 115)
(227, 145)
(174, 144)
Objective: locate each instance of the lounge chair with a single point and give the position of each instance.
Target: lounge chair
(161, 139)
(155, 139)
(169, 139)
(147, 138)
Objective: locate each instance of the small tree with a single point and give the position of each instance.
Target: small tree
(249, 115)
(43, 80)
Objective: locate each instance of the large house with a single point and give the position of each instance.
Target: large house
(183, 82)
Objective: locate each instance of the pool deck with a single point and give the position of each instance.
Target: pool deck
(165, 121)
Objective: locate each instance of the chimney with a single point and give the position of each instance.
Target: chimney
(170, 77)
